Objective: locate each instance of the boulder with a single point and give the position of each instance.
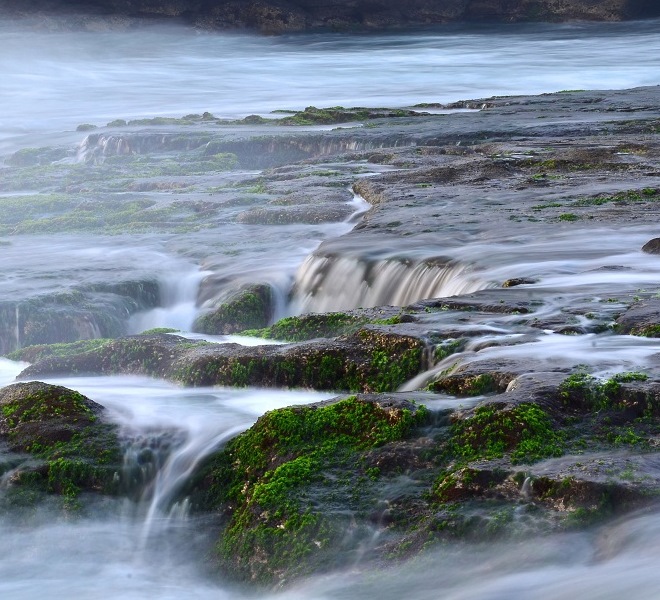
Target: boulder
(71, 448)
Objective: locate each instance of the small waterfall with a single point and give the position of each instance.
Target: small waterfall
(327, 283)
(164, 508)
(178, 304)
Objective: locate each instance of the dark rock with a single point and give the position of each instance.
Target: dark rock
(517, 281)
(652, 246)
(37, 413)
(642, 318)
(280, 16)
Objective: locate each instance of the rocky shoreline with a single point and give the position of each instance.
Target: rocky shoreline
(531, 395)
(286, 16)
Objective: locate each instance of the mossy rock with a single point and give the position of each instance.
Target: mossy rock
(524, 431)
(41, 351)
(266, 480)
(642, 318)
(72, 448)
(370, 360)
(249, 308)
(326, 325)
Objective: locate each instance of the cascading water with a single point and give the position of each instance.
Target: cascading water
(327, 283)
(178, 304)
(149, 547)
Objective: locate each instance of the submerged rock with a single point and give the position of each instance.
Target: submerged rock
(652, 246)
(305, 487)
(97, 311)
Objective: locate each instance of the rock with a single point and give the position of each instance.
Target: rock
(249, 308)
(303, 487)
(652, 246)
(38, 413)
(276, 482)
(642, 318)
(73, 449)
(517, 281)
(98, 310)
(481, 377)
(370, 360)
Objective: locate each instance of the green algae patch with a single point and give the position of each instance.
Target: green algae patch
(266, 476)
(471, 384)
(74, 449)
(309, 327)
(585, 392)
(650, 331)
(41, 351)
(525, 432)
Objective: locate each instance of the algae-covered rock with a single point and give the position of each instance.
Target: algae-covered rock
(369, 360)
(72, 449)
(276, 482)
(249, 308)
(324, 325)
(642, 318)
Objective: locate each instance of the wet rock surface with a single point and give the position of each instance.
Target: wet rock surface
(542, 408)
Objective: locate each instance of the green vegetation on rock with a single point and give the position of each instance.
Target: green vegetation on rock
(41, 351)
(63, 430)
(249, 308)
(583, 391)
(308, 327)
(266, 475)
(525, 432)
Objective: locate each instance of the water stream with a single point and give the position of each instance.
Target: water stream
(149, 547)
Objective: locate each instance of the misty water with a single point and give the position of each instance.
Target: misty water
(50, 82)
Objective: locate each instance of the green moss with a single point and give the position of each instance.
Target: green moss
(458, 385)
(41, 351)
(447, 348)
(639, 195)
(159, 330)
(264, 474)
(43, 406)
(525, 432)
(651, 331)
(308, 327)
(583, 391)
(248, 308)
(568, 217)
